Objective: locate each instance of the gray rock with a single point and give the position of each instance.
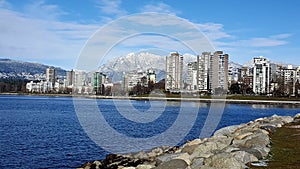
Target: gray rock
(242, 136)
(197, 163)
(230, 149)
(97, 164)
(189, 149)
(140, 155)
(287, 119)
(283, 119)
(222, 141)
(269, 128)
(205, 148)
(264, 151)
(226, 130)
(224, 161)
(144, 166)
(173, 164)
(168, 157)
(259, 152)
(193, 142)
(259, 139)
(254, 152)
(297, 116)
(155, 152)
(207, 167)
(244, 156)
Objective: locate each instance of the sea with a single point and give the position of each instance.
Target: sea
(66, 132)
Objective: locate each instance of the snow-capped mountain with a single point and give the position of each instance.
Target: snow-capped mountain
(139, 62)
(234, 65)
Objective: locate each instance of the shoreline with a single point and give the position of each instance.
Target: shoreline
(185, 99)
(232, 147)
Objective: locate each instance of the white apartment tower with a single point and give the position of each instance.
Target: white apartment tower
(290, 77)
(51, 75)
(70, 78)
(261, 75)
(134, 78)
(212, 71)
(151, 76)
(219, 71)
(191, 78)
(203, 71)
(174, 71)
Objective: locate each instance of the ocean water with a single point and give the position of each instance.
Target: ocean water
(46, 132)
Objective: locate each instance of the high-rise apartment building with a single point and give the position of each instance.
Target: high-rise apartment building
(191, 78)
(174, 72)
(212, 71)
(134, 78)
(219, 71)
(261, 75)
(98, 80)
(70, 78)
(204, 67)
(151, 76)
(51, 75)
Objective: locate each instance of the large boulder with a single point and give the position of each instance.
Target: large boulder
(244, 156)
(169, 157)
(226, 130)
(224, 161)
(259, 139)
(197, 163)
(173, 164)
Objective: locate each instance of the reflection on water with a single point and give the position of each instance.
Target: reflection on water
(268, 106)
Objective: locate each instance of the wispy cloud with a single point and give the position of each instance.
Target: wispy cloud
(214, 31)
(264, 42)
(271, 41)
(39, 39)
(5, 4)
(39, 9)
(111, 7)
(160, 8)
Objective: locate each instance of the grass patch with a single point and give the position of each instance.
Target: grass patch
(285, 150)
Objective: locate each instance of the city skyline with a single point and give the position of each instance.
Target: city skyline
(53, 32)
(210, 74)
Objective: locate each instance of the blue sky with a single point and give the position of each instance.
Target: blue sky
(55, 31)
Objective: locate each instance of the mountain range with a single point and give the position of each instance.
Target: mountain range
(8, 66)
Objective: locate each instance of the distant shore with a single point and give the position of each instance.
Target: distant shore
(229, 99)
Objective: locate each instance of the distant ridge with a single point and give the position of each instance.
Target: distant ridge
(139, 62)
(18, 67)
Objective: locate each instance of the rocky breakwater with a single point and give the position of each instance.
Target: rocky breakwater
(233, 147)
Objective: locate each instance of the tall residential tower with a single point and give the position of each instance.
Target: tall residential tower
(174, 72)
(261, 75)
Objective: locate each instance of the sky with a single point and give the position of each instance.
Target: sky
(57, 32)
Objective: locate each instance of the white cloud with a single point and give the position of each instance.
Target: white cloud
(39, 39)
(264, 42)
(111, 7)
(214, 31)
(39, 9)
(271, 41)
(160, 8)
(5, 4)
(281, 36)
